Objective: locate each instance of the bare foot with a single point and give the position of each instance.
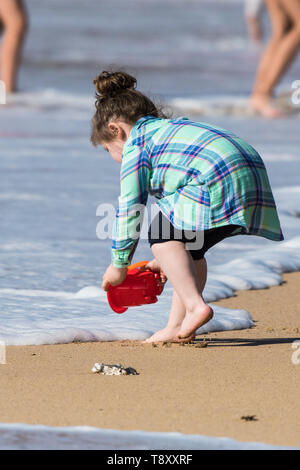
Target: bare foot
(170, 335)
(193, 321)
(263, 106)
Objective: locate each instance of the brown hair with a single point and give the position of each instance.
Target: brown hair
(117, 98)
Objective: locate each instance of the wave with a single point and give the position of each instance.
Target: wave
(217, 105)
(227, 105)
(37, 437)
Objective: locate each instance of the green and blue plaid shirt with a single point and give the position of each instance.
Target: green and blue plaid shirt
(201, 176)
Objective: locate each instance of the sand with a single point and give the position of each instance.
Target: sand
(189, 389)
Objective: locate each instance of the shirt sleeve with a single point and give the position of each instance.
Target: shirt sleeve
(135, 175)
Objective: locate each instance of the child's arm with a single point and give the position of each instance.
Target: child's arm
(135, 175)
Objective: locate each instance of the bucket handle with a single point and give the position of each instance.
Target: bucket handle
(140, 264)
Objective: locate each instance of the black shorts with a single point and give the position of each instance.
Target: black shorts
(197, 242)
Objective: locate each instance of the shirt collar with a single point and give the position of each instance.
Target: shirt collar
(140, 122)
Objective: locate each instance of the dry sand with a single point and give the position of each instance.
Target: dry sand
(188, 389)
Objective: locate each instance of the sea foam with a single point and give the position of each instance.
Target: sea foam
(33, 437)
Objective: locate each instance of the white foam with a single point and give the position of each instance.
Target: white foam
(89, 292)
(36, 293)
(33, 437)
(87, 319)
(288, 199)
(22, 197)
(222, 105)
(50, 98)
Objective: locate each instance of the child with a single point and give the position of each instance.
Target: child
(206, 181)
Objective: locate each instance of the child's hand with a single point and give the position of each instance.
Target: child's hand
(113, 276)
(155, 267)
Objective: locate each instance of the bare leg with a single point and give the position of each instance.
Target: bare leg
(189, 320)
(253, 10)
(285, 41)
(188, 310)
(178, 310)
(289, 45)
(13, 17)
(254, 28)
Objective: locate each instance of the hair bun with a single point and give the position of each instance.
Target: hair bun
(112, 83)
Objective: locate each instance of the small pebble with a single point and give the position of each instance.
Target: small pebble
(249, 418)
(203, 344)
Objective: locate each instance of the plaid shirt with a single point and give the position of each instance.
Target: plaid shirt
(201, 176)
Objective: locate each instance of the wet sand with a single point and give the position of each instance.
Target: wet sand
(239, 384)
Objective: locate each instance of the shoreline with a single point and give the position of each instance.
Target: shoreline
(242, 384)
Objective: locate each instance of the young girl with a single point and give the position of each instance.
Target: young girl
(206, 181)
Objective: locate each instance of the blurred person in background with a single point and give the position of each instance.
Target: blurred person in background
(13, 25)
(278, 54)
(253, 11)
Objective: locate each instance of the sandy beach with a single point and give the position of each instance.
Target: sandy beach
(240, 384)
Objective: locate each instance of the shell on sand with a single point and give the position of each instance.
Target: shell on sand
(113, 369)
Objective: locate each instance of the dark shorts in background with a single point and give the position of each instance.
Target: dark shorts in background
(197, 243)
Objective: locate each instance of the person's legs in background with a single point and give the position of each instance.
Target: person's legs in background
(14, 21)
(281, 49)
(253, 10)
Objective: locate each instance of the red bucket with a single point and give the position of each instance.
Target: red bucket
(139, 288)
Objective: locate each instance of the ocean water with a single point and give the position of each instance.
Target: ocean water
(33, 437)
(193, 55)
